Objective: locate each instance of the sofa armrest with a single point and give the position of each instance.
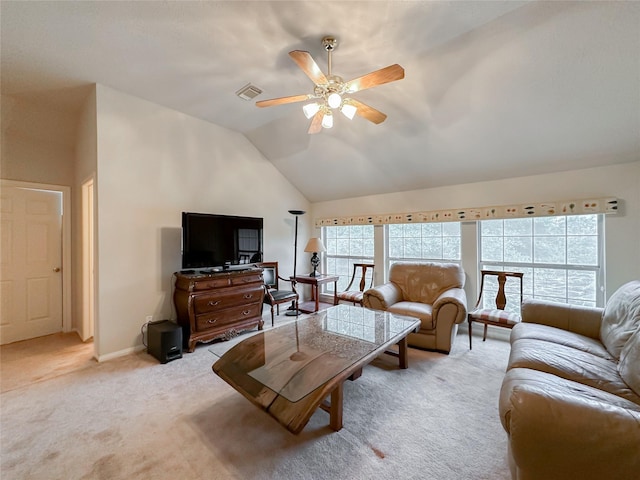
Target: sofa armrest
(554, 435)
(573, 318)
(457, 299)
(382, 296)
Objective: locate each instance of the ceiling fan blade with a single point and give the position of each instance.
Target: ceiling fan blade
(308, 65)
(370, 113)
(373, 79)
(282, 100)
(316, 123)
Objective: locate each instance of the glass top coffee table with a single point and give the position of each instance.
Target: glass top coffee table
(290, 370)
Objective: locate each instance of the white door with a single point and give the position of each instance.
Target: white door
(30, 263)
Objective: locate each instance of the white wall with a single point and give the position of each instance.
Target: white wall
(622, 234)
(37, 142)
(38, 147)
(84, 169)
(154, 163)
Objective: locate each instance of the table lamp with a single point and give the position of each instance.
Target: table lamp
(314, 245)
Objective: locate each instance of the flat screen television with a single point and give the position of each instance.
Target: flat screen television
(224, 241)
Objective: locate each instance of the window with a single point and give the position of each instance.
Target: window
(346, 245)
(248, 245)
(561, 257)
(424, 241)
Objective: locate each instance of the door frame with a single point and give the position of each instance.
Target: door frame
(88, 259)
(66, 240)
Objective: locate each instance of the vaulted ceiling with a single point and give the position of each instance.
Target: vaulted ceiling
(492, 89)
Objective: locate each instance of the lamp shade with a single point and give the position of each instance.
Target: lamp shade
(327, 120)
(314, 245)
(348, 110)
(310, 109)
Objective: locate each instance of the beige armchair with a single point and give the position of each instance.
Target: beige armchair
(432, 292)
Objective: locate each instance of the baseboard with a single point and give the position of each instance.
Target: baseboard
(119, 353)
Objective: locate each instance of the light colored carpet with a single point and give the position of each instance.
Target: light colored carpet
(133, 418)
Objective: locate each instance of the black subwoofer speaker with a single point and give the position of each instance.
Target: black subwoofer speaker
(164, 340)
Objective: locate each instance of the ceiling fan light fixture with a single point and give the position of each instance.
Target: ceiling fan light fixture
(310, 109)
(329, 90)
(348, 110)
(327, 120)
(334, 100)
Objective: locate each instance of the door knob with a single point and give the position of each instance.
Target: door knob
(57, 269)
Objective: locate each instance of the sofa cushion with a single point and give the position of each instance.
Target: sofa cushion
(554, 386)
(621, 317)
(571, 364)
(557, 335)
(629, 366)
(560, 429)
(415, 309)
(572, 318)
(423, 282)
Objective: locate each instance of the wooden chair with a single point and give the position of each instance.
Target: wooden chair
(497, 316)
(355, 296)
(273, 295)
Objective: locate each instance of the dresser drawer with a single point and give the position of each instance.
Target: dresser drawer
(249, 278)
(211, 283)
(227, 317)
(216, 300)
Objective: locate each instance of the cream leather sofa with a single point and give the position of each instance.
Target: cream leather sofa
(570, 400)
(432, 292)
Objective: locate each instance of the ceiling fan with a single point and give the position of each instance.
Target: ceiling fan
(331, 92)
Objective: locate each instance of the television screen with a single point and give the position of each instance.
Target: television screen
(210, 241)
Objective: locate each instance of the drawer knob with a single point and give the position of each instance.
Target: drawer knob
(212, 321)
(248, 295)
(212, 303)
(246, 312)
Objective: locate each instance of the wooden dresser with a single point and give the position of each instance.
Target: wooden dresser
(218, 305)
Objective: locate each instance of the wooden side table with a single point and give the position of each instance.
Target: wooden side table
(315, 282)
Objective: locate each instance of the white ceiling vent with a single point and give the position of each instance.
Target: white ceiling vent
(248, 92)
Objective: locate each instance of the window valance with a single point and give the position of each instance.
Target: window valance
(543, 209)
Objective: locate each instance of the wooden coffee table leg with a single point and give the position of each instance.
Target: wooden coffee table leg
(334, 408)
(335, 415)
(403, 353)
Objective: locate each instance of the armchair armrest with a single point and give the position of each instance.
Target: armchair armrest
(382, 296)
(456, 300)
(279, 293)
(289, 280)
(560, 435)
(573, 318)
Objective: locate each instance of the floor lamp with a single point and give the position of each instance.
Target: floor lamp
(293, 311)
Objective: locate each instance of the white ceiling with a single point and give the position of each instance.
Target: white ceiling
(492, 89)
